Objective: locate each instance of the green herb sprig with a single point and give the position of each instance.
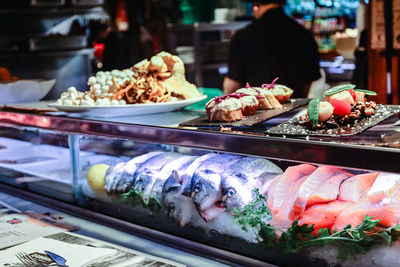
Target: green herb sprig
(349, 241)
(134, 195)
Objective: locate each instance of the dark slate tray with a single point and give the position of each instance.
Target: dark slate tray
(260, 116)
(292, 127)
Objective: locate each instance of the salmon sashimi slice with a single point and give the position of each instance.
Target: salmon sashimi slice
(357, 187)
(329, 190)
(281, 218)
(314, 181)
(323, 215)
(387, 211)
(270, 191)
(385, 184)
(279, 189)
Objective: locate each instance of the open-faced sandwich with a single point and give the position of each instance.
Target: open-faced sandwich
(246, 101)
(280, 91)
(343, 105)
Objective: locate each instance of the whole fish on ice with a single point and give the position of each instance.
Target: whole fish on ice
(177, 166)
(205, 185)
(148, 171)
(120, 178)
(242, 177)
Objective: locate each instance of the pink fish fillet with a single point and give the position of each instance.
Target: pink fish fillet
(277, 191)
(388, 212)
(357, 187)
(314, 181)
(281, 218)
(329, 190)
(323, 215)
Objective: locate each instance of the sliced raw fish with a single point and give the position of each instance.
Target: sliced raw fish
(277, 190)
(281, 217)
(313, 182)
(323, 215)
(329, 190)
(357, 187)
(387, 211)
(385, 184)
(270, 191)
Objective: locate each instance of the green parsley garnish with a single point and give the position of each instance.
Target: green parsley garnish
(349, 241)
(136, 197)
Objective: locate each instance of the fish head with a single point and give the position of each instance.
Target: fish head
(206, 189)
(179, 207)
(237, 190)
(113, 177)
(144, 181)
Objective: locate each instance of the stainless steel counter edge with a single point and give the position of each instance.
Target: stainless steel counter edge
(344, 155)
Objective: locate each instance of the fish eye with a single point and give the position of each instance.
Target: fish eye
(197, 188)
(240, 175)
(173, 189)
(231, 192)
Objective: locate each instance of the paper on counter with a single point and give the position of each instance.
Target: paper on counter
(19, 228)
(122, 258)
(82, 251)
(76, 255)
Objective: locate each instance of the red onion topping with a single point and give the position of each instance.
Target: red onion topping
(270, 85)
(234, 95)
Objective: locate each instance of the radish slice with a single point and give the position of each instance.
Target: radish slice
(353, 94)
(340, 107)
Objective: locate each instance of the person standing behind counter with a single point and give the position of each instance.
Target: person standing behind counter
(273, 45)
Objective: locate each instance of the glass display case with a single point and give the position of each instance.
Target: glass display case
(197, 184)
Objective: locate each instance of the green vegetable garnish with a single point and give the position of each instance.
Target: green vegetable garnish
(313, 110)
(339, 88)
(136, 197)
(367, 92)
(348, 241)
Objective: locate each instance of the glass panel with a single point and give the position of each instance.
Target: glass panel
(202, 195)
(36, 160)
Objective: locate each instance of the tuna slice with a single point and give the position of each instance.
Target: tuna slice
(357, 187)
(329, 190)
(387, 211)
(277, 191)
(323, 215)
(314, 181)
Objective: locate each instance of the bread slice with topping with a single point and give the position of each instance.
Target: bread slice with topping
(281, 92)
(228, 109)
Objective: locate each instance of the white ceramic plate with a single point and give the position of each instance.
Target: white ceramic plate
(128, 110)
(24, 91)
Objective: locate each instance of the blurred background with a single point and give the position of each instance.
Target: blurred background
(69, 40)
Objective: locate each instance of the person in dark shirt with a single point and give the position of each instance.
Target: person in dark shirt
(273, 45)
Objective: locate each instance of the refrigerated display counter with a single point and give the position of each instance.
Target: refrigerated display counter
(196, 189)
